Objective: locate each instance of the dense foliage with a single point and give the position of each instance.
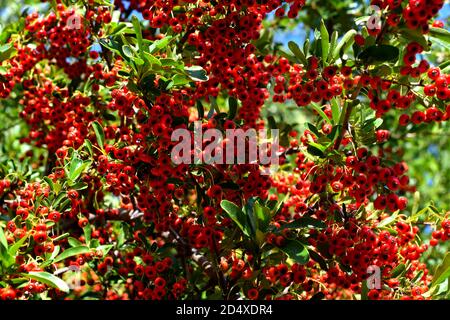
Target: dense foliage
(91, 92)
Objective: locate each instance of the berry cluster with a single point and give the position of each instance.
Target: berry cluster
(142, 227)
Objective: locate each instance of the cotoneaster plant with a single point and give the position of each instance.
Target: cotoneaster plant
(97, 90)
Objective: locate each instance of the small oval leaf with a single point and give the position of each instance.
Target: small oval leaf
(48, 279)
(72, 252)
(296, 251)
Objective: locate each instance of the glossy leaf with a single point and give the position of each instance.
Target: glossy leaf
(346, 42)
(127, 51)
(3, 241)
(74, 242)
(16, 246)
(236, 214)
(48, 279)
(441, 34)
(296, 251)
(380, 53)
(77, 167)
(232, 107)
(160, 44)
(76, 251)
(443, 271)
(389, 220)
(333, 44)
(398, 270)
(322, 114)
(297, 52)
(196, 73)
(137, 29)
(263, 215)
(99, 133)
(325, 41)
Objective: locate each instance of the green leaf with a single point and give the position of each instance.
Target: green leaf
(444, 65)
(418, 276)
(74, 242)
(250, 220)
(111, 45)
(61, 237)
(434, 209)
(380, 53)
(333, 43)
(50, 183)
(55, 253)
(318, 296)
(377, 123)
(232, 107)
(439, 289)
(7, 51)
(334, 132)
(3, 240)
(77, 167)
(87, 233)
(279, 205)
(151, 59)
(398, 270)
(297, 52)
(106, 248)
(361, 20)
(16, 246)
(145, 241)
(214, 107)
(313, 129)
(76, 251)
(272, 123)
(127, 51)
(383, 70)
(346, 42)
(139, 61)
(160, 44)
(316, 150)
(441, 34)
(319, 259)
(442, 271)
(165, 62)
(78, 186)
(364, 290)
(58, 199)
(196, 73)
(306, 47)
(48, 279)
(325, 40)
(263, 215)
(137, 30)
(99, 133)
(119, 29)
(120, 234)
(180, 80)
(296, 251)
(319, 110)
(236, 215)
(200, 110)
(389, 220)
(88, 145)
(335, 110)
(414, 36)
(369, 124)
